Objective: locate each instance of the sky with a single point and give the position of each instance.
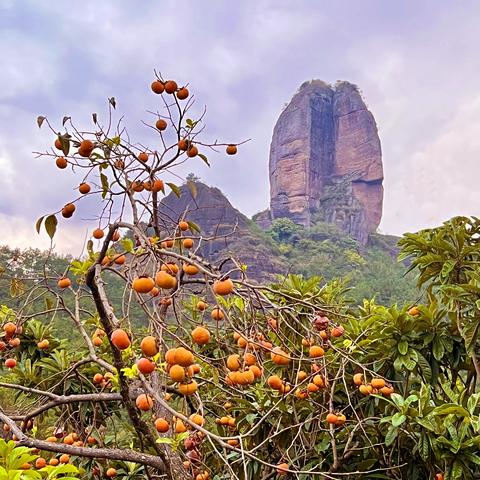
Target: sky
(416, 63)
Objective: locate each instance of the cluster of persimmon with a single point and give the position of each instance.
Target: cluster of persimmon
(171, 87)
(10, 341)
(62, 436)
(166, 279)
(375, 386)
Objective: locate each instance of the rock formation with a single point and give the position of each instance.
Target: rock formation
(326, 161)
(224, 230)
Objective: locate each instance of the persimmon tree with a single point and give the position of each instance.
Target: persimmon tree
(196, 371)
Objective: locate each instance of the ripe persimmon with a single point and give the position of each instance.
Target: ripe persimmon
(358, 379)
(157, 186)
(53, 462)
(201, 305)
(180, 426)
(142, 156)
(414, 311)
(170, 355)
(119, 259)
(86, 148)
(148, 346)
(183, 144)
(188, 388)
(223, 287)
(84, 188)
(197, 419)
(40, 463)
(10, 363)
(58, 144)
(184, 357)
(233, 362)
(144, 402)
(378, 382)
(365, 389)
(170, 86)
(192, 151)
(65, 458)
(111, 472)
(282, 468)
(43, 345)
(337, 331)
(279, 356)
(318, 381)
(98, 233)
(10, 328)
(68, 210)
(64, 282)
(157, 87)
(387, 390)
(187, 243)
(143, 284)
(98, 378)
(145, 366)
(61, 162)
(316, 351)
(161, 124)
(170, 267)
(120, 339)
(190, 269)
(332, 418)
(200, 335)
(275, 382)
(301, 376)
(161, 425)
(231, 149)
(165, 280)
(183, 93)
(341, 419)
(217, 314)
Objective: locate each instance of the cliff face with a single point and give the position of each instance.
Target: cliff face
(326, 161)
(224, 230)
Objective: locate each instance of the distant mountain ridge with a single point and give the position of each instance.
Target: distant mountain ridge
(321, 249)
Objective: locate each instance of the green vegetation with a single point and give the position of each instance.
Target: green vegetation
(324, 250)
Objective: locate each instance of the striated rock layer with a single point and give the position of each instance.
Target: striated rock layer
(326, 161)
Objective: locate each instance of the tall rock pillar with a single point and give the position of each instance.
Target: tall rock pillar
(326, 160)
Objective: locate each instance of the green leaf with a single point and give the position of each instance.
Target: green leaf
(127, 244)
(51, 223)
(104, 180)
(204, 158)
(398, 419)
(193, 227)
(38, 224)
(403, 347)
(175, 189)
(450, 409)
(438, 349)
(391, 435)
(167, 440)
(65, 141)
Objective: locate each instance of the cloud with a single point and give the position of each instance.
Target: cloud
(244, 60)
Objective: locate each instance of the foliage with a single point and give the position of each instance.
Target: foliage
(289, 379)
